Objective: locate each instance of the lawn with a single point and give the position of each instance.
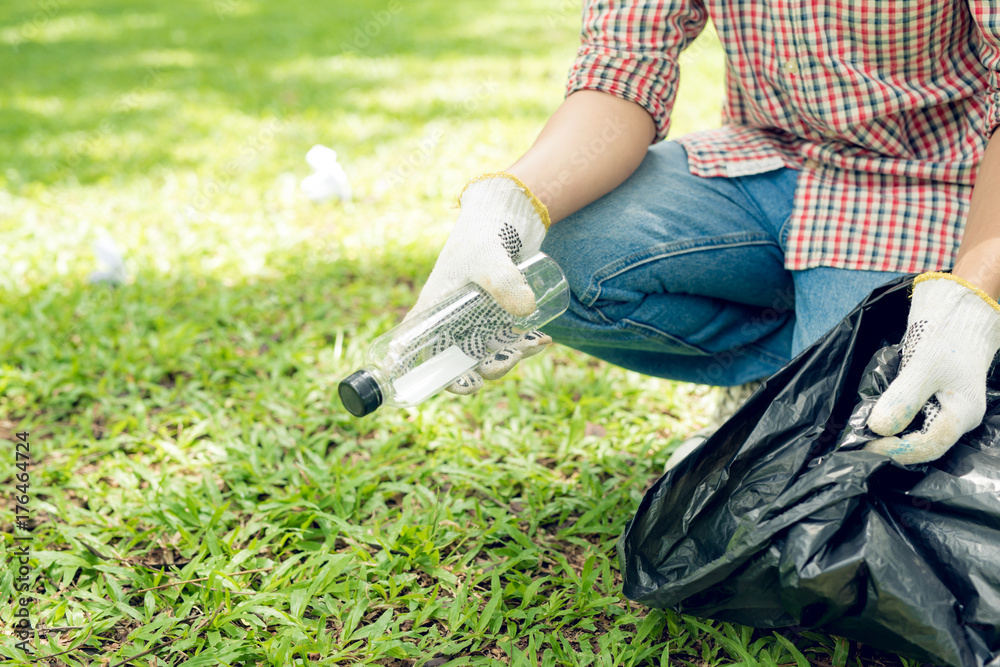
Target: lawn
(198, 496)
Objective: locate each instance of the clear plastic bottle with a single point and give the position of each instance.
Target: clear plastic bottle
(425, 354)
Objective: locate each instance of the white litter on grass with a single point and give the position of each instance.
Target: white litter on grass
(328, 178)
(111, 259)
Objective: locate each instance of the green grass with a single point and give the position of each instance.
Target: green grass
(201, 497)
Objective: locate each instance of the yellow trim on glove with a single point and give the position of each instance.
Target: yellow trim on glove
(540, 208)
(931, 275)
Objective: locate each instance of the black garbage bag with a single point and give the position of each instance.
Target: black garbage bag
(780, 520)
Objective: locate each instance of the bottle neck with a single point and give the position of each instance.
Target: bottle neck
(383, 384)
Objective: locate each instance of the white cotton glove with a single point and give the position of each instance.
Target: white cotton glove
(952, 333)
(501, 223)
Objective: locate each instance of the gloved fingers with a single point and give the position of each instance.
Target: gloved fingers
(435, 287)
(945, 420)
(901, 402)
(502, 362)
(499, 364)
(508, 288)
(895, 448)
(533, 343)
(466, 384)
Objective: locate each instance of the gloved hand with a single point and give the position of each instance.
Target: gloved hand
(500, 224)
(952, 333)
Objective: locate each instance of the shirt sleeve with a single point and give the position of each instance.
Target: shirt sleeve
(987, 17)
(630, 49)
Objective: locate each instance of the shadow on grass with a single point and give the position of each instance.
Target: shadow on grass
(101, 71)
(71, 351)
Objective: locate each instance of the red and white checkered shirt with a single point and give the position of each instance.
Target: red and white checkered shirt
(885, 107)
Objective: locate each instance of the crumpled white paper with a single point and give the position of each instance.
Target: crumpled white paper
(328, 178)
(111, 261)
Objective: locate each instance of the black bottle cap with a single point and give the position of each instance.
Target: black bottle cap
(360, 393)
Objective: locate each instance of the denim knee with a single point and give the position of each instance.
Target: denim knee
(671, 266)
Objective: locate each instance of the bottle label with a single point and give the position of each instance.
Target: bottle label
(433, 375)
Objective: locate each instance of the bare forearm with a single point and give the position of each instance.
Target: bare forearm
(978, 258)
(590, 145)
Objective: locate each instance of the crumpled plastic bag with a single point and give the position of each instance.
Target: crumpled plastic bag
(779, 519)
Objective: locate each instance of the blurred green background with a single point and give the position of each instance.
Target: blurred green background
(198, 494)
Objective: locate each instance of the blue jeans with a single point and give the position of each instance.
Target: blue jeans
(683, 277)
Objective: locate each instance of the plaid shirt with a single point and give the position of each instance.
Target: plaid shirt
(885, 107)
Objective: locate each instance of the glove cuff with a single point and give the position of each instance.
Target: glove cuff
(935, 275)
(943, 297)
(536, 203)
